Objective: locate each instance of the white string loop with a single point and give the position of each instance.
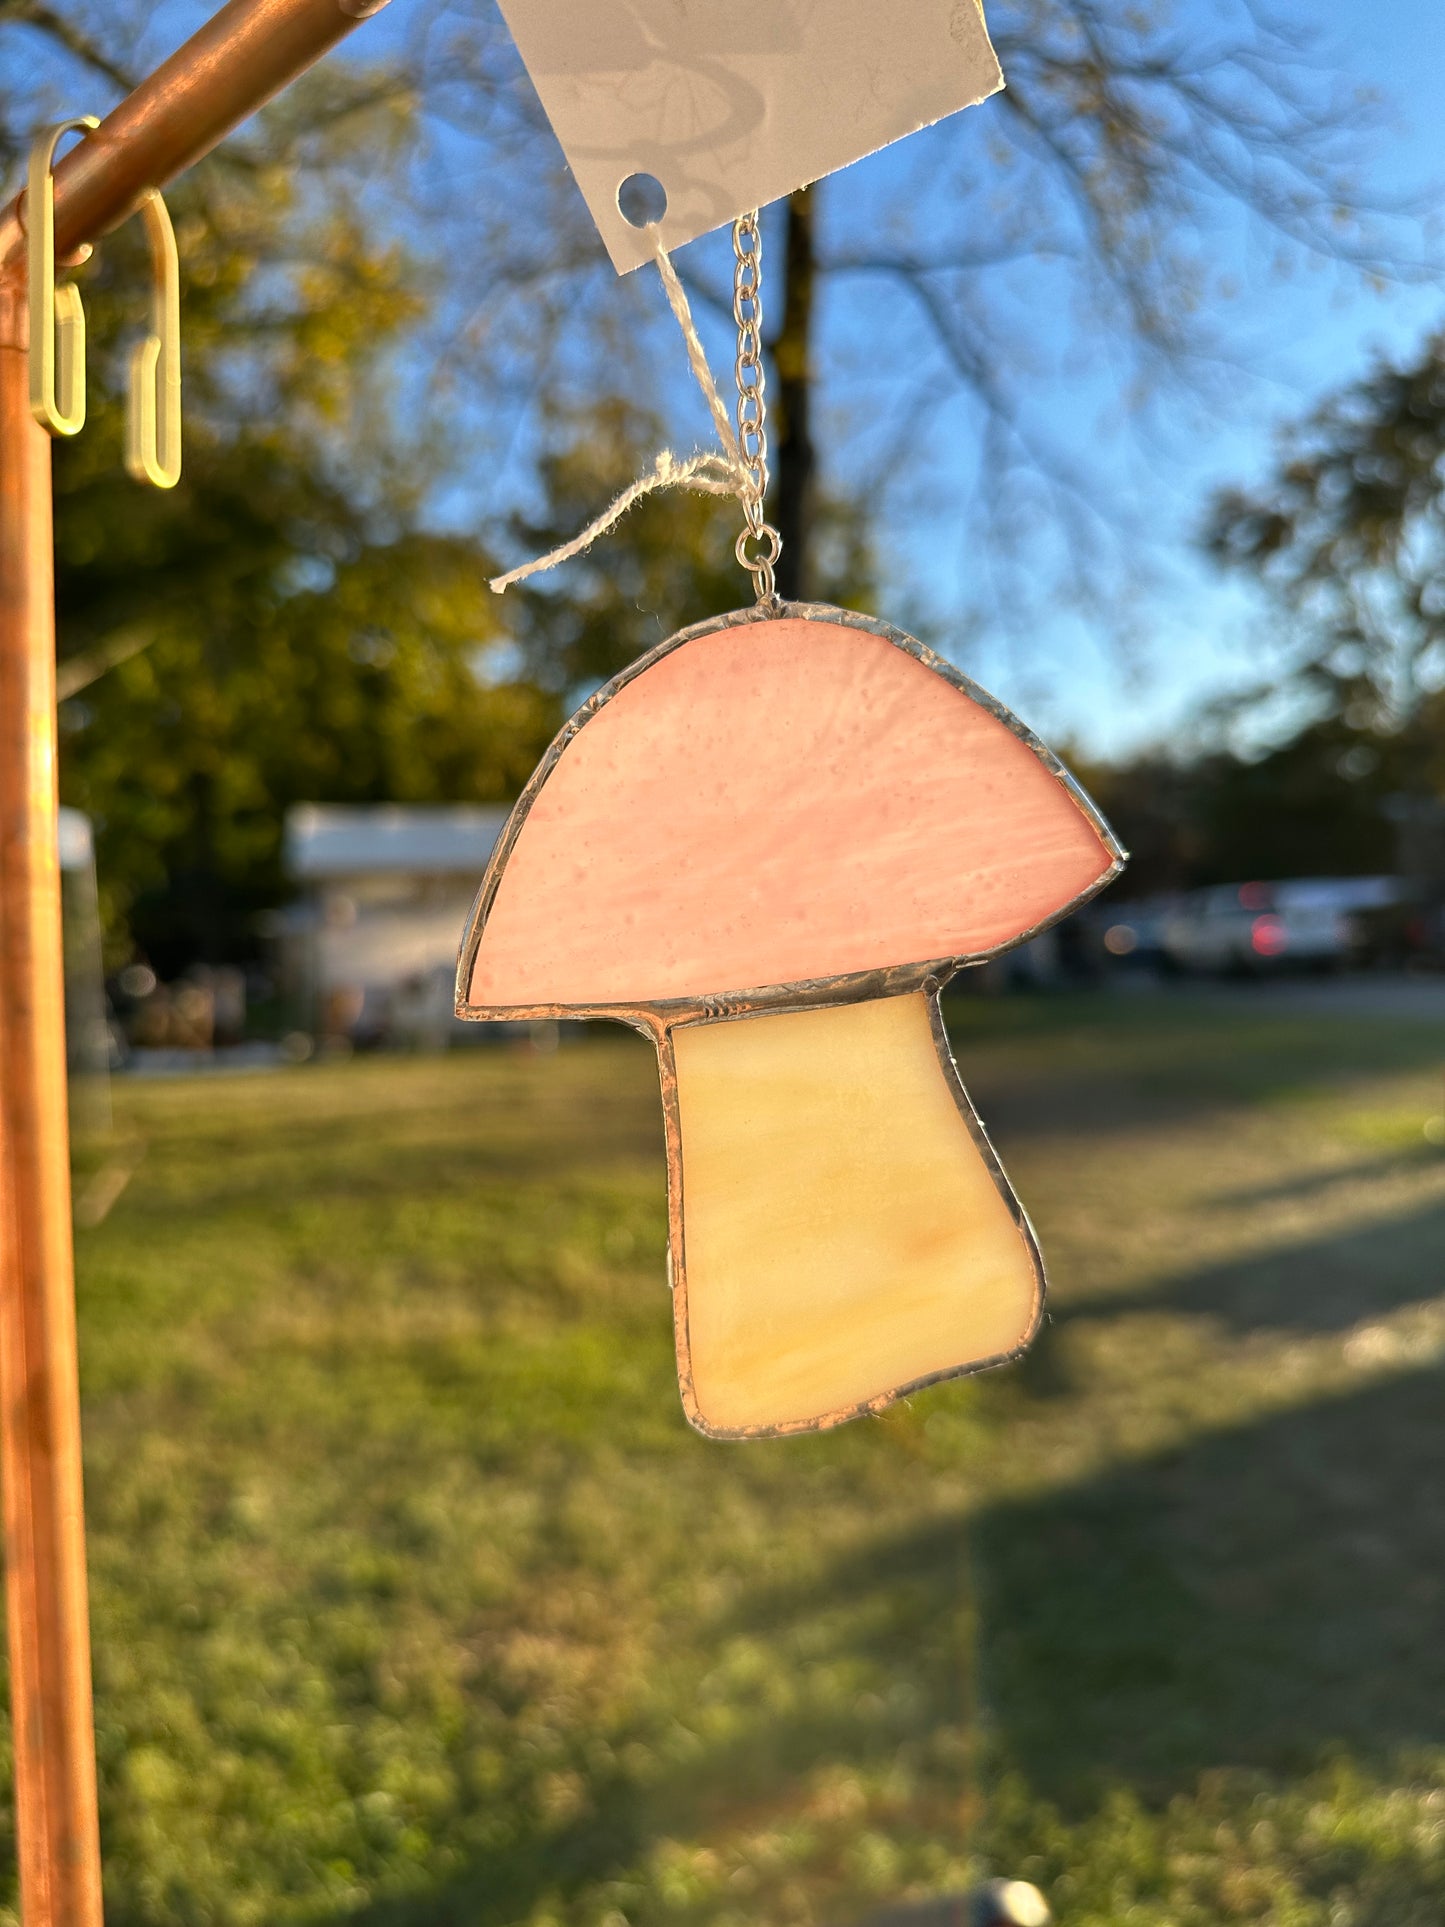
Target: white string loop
(729, 473)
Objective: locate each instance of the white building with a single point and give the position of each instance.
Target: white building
(370, 948)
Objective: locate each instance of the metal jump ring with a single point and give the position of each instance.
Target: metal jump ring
(765, 533)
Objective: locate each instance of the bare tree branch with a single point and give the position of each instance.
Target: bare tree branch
(63, 30)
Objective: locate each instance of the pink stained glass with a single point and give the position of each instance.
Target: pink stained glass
(775, 802)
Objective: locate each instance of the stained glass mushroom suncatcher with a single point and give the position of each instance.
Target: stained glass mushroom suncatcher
(768, 844)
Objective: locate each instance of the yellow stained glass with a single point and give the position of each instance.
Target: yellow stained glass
(845, 1231)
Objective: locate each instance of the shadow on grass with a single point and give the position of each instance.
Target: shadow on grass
(1103, 1064)
(1309, 1184)
(1258, 1597)
(1266, 1597)
(1324, 1285)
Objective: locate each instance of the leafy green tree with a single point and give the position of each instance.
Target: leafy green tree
(284, 625)
(1348, 534)
(1323, 803)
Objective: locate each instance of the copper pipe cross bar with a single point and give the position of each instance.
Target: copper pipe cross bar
(243, 56)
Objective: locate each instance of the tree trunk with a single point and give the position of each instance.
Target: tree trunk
(793, 466)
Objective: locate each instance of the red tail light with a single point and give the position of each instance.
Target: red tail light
(1268, 937)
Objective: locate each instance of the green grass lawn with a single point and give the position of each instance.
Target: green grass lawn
(415, 1600)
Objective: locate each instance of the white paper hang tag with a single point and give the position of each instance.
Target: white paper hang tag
(730, 104)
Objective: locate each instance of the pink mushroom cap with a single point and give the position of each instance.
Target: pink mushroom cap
(763, 804)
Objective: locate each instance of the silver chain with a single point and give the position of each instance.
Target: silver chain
(759, 545)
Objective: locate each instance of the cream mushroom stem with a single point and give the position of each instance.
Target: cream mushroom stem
(840, 1229)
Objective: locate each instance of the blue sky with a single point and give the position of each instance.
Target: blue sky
(1197, 636)
(1115, 678)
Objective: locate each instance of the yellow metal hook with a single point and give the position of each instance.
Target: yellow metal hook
(57, 319)
(153, 424)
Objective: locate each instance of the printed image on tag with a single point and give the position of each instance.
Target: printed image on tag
(728, 106)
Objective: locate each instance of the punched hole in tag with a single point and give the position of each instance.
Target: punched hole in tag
(642, 199)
